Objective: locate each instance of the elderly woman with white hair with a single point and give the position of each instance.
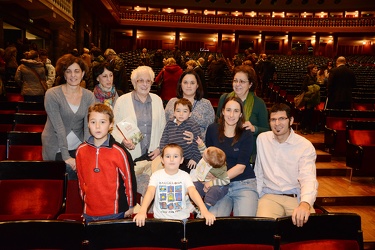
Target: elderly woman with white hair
(144, 110)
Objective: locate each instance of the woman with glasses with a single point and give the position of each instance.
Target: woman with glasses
(255, 110)
(143, 110)
(230, 136)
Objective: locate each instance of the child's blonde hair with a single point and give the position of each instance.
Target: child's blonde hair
(215, 157)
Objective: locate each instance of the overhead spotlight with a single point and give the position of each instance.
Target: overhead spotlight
(289, 1)
(243, 1)
(320, 1)
(305, 1)
(258, 2)
(228, 1)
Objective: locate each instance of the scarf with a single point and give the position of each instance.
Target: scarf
(104, 96)
(248, 104)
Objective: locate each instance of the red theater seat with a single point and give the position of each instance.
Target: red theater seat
(322, 231)
(24, 146)
(31, 189)
(232, 233)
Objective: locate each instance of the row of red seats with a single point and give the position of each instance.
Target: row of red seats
(36, 199)
(328, 231)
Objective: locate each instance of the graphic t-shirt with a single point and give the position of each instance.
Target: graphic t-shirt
(171, 194)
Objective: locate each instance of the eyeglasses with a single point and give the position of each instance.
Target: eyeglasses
(141, 81)
(239, 81)
(280, 119)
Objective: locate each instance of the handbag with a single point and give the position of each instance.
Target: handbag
(299, 100)
(42, 82)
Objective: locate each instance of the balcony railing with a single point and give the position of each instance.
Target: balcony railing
(248, 21)
(64, 5)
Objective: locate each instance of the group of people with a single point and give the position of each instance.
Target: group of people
(339, 81)
(236, 156)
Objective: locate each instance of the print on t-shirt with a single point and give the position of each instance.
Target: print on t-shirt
(170, 197)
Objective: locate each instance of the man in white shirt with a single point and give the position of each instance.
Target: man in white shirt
(285, 170)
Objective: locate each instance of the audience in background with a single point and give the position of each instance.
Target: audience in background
(50, 69)
(86, 57)
(341, 82)
(144, 58)
(96, 58)
(158, 59)
(168, 78)
(11, 64)
(119, 70)
(31, 76)
(311, 99)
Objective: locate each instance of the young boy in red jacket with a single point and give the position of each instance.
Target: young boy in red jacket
(105, 170)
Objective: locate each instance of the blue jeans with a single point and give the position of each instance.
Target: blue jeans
(105, 217)
(213, 195)
(242, 198)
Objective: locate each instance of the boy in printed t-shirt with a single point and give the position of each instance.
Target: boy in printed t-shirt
(170, 187)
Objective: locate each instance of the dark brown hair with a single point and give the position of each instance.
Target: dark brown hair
(239, 129)
(250, 72)
(184, 102)
(198, 93)
(65, 61)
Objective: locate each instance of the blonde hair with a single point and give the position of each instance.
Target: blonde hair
(191, 63)
(170, 61)
(215, 157)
